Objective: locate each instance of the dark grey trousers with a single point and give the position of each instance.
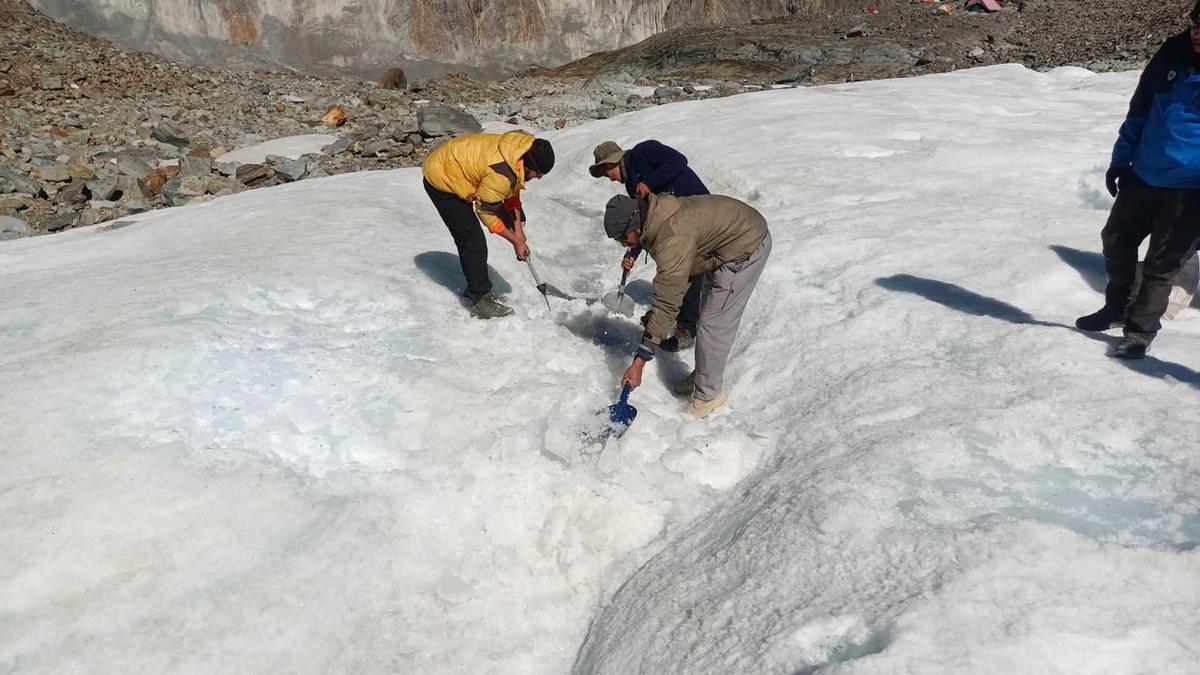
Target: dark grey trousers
(1171, 219)
(727, 289)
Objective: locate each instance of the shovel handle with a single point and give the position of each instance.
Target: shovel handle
(625, 394)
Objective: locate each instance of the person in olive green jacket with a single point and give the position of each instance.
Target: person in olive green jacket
(720, 237)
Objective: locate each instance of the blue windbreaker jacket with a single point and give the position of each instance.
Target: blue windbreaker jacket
(1160, 139)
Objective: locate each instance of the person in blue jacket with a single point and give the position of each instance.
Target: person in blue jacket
(647, 168)
(1155, 177)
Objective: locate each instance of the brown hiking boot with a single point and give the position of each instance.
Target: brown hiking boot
(490, 307)
(683, 338)
(702, 409)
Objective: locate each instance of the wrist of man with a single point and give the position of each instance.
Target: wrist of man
(645, 350)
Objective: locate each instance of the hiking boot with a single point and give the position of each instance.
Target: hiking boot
(1102, 320)
(1131, 347)
(683, 338)
(702, 409)
(490, 307)
(686, 386)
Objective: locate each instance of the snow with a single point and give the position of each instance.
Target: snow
(292, 147)
(260, 435)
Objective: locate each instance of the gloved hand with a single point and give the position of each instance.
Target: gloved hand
(1112, 179)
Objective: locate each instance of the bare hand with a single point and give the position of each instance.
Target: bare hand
(521, 249)
(633, 374)
(642, 189)
(627, 262)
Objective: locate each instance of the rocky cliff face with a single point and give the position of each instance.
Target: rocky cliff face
(492, 35)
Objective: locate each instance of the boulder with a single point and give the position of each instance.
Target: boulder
(61, 221)
(393, 79)
(169, 133)
(291, 170)
(254, 175)
(55, 173)
(195, 166)
(18, 182)
(436, 121)
(103, 189)
(132, 165)
(13, 228)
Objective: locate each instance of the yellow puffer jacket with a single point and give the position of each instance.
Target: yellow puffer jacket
(481, 168)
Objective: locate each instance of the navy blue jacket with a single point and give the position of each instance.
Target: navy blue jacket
(1160, 139)
(662, 168)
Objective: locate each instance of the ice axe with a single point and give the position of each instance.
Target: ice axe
(541, 285)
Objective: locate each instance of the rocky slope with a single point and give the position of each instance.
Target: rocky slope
(421, 35)
(91, 132)
(836, 42)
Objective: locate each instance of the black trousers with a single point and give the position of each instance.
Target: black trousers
(1171, 218)
(459, 217)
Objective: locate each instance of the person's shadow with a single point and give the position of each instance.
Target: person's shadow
(444, 269)
(962, 300)
(1089, 264)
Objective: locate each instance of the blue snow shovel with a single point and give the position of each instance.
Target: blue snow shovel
(620, 416)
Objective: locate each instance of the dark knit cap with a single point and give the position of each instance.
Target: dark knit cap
(1195, 15)
(620, 216)
(540, 156)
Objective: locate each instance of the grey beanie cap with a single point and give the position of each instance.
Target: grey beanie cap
(620, 216)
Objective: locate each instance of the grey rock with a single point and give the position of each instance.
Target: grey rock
(860, 30)
(170, 134)
(375, 147)
(13, 228)
(61, 221)
(87, 218)
(276, 159)
(56, 173)
(339, 146)
(102, 189)
(509, 109)
(436, 121)
(226, 168)
(260, 88)
(52, 84)
(976, 53)
(132, 165)
(183, 190)
(667, 93)
(195, 166)
(291, 170)
(136, 206)
(18, 182)
(254, 174)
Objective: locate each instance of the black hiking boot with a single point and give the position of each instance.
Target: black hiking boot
(490, 307)
(1102, 320)
(683, 338)
(1131, 347)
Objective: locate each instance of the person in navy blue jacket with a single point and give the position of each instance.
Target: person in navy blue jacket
(1155, 177)
(651, 167)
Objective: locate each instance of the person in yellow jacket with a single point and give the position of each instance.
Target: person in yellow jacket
(479, 178)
